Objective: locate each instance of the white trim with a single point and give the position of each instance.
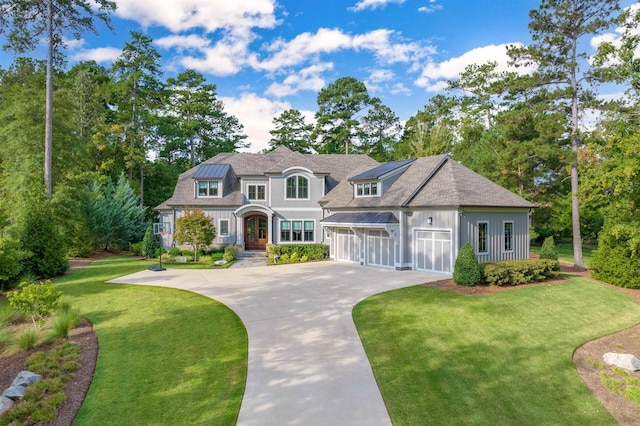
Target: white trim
(291, 241)
(264, 185)
(477, 237)
(220, 188)
(503, 238)
(296, 175)
(304, 169)
(299, 209)
(378, 189)
(228, 227)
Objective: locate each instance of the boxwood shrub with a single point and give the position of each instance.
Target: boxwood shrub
(514, 272)
(289, 253)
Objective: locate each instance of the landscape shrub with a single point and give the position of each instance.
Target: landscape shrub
(617, 259)
(150, 244)
(175, 252)
(39, 235)
(549, 249)
(11, 257)
(466, 270)
(306, 251)
(514, 272)
(35, 300)
(136, 248)
(230, 253)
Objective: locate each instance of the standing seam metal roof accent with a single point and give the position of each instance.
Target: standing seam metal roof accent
(382, 169)
(213, 171)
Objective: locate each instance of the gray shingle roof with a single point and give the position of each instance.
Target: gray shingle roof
(336, 166)
(358, 218)
(423, 184)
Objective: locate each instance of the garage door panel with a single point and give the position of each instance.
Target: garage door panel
(433, 251)
(380, 249)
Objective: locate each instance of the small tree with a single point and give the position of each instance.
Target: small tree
(10, 257)
(549, 249)
(150, 244)
(467, 270)
(36, 300)
(196, 230)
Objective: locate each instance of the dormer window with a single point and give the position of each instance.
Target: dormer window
(367, 189)
(208, 188)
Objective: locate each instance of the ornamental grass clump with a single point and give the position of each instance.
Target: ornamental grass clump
(467, 270)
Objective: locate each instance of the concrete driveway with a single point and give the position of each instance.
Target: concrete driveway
(307, 365)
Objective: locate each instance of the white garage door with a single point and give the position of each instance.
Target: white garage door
(347, 246)
(380, 249)
(433, 251)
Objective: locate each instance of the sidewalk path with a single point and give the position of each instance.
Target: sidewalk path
(307, 365)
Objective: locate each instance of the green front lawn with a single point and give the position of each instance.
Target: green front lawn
(445, 358)
(166, 356)
(565, 252)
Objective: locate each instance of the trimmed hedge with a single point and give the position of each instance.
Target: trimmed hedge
(230, 253)
(297, 252)
(466, 270)
(514, 272)
(549, 249)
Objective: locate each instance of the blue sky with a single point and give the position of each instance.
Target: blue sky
(266, 56)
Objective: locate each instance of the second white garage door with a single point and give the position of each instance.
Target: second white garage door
(347, 246)
(433, 251)
(380, 249)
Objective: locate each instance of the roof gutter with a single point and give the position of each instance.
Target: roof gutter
(427, 179)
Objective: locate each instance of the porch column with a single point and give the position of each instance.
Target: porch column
(270, 228)
(239, 230)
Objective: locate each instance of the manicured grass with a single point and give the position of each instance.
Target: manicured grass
(166, 356)
(565, 252)
(445, 358)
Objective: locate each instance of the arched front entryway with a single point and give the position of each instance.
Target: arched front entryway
(256, 231)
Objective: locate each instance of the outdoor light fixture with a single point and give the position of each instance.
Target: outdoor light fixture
(429, 220)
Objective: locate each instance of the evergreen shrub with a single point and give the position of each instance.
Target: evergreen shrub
(230, 253)
(617, 259)
(549, 249)
(514, 272)
(466, 270)
(150, 244)
(301, 251)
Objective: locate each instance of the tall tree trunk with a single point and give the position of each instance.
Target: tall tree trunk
(578, 262)
(141, 186)
(134, 125)
(48, 124)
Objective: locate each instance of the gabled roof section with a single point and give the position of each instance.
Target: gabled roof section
(211, 171)
(436, 181)
(381, 170)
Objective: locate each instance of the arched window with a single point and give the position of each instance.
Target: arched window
(297, 187)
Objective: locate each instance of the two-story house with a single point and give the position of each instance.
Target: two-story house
(409, 214)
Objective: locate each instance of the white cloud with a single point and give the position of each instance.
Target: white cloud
(434, 74)
(400, 89)
(305, 79)
(256, 115)
(210, 15)
(179, 42)
(308, 45)
(73, 43)
(100, 54)
(615, 38)
(380, 75)
(226, 57)
(429, 9)
(372, 4)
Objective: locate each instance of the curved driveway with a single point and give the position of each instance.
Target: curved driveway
(307, 365)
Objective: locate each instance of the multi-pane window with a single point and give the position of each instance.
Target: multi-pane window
(285, 231)
(297, 187)
(483, 235)
(367, 189)
(508, 236)
(256, 192)
(297, 230)
(224, 227)
(208, 188)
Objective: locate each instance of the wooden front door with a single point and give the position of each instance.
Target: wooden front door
(255, 232)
